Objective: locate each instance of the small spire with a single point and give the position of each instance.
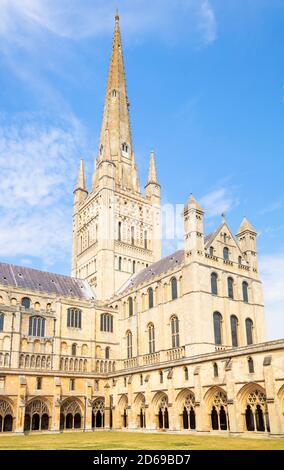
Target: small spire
(246, 227)
(152, 176)
(192, 202)
(223, 216)
(116, 16)
(81, 176)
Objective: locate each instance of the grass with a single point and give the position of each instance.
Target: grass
(137, 441)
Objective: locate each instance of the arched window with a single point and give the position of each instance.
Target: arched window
(119, 231)
(129, 344)
(240, 260)
(185, 373)
(107, 322)
(119, 263)
(211, 251)
(114, 93)
(145, 240)
(125, 147)
(130, 306)
(150, 298)
(215, 369)
(214, 284)
(250, 365)
(174, 288)
(161, 377)
(217, 320)
(133, 266)
(245, 291)
(132, 236)
(107, 351)
(175, 332)
(230, 287)
(249, 333)
(26, 302)
(36, 326)
(74, 349)
(74, 318)
(151, 337)
(1, 321)
(234, 330)
(226, 253)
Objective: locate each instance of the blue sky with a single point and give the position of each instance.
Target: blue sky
(205, 81)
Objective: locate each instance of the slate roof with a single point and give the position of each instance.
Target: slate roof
(161, 266)
(36, 280)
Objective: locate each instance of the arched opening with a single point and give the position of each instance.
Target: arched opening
(219, 411)
(214, 284)
(256, 411)
(217, 322)
(174, 291)
(163, 414)
(36, 416)
(98, 416)
(6, 416)
(70, 415)
(188, 412)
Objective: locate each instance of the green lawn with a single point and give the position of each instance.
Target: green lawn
(137, 441)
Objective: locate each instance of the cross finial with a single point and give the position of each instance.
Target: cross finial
(117, 16)
(223, 217)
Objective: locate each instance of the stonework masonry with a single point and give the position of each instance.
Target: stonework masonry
(132, 340)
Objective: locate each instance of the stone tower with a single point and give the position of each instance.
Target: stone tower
(116, 229)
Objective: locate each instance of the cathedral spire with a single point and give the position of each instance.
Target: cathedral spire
(115, 115)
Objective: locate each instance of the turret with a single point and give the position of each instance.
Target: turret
(193, 226)
(152, 187)
(246, 236)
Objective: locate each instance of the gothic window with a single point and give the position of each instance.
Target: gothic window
(245, 291)
(211, 251)
(257, 418)
(240, 260)
(26, 302)
(150, 298)
(141, 379)
(185, 373)
(74, 318)
(36, 326)
(6, 417)
(230, 287)
(130, 306)
(39, 383)
(107, 352)
(226, 253)
(145, 240)
(250, 365)
(161, 377)
(106, 322)
(1, 321)
(219, 419)
(129, 344)
(70, 414)
(249, 332)
(119, 231)
(74, 349)
(98, 415)
(188, 415)
(163, 415)
(72, 384)
(114, 93)
(214, 284)
(125, 147)
(175, 331)
(151, 338)
(174, 288)
(132, 236)
(119, 263)
(234, 330)
(215, 369)
(217, 320)
(133, 267)
(36, 416)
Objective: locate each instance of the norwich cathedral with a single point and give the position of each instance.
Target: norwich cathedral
(133, 340)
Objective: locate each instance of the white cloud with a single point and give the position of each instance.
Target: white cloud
(217, 202)
(38, 168)
(272, 275)
(74, 19)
